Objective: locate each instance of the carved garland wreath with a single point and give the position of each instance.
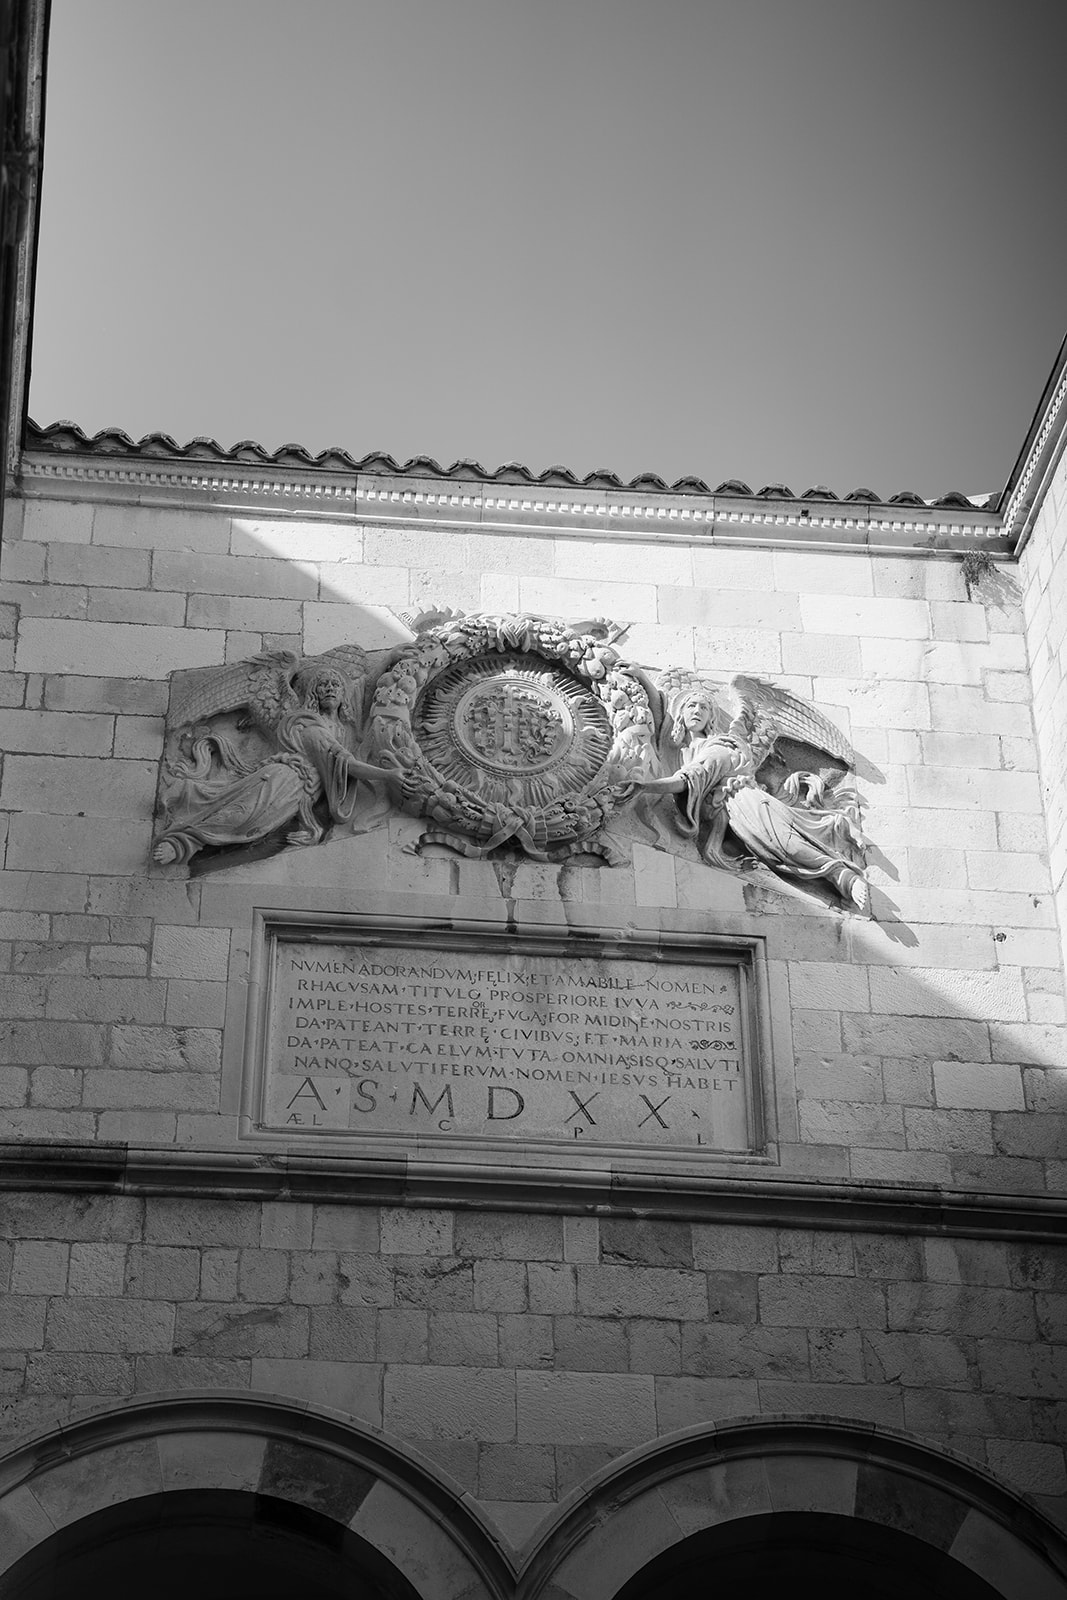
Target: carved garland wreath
(550, 815)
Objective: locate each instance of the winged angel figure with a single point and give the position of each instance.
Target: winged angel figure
(726, 754)
(233, 781)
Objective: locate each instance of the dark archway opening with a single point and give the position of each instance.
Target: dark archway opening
(205, 1545)
(802, 1553)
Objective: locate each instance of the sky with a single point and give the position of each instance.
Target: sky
(786, 241)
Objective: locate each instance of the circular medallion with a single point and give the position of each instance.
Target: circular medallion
(510, 728)
(512, 723)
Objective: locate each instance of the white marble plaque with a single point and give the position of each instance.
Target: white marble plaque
(439, 1042)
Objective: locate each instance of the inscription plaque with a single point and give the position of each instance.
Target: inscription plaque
(443, 1041)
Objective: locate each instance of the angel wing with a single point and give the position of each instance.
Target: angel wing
(263, 684)
(770, 714)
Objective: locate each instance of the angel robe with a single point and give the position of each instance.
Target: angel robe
(230, 810)
(719, 783)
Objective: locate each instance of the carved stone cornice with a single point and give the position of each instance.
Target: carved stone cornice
(289, 1175)
(291, 482)
(1038, 459)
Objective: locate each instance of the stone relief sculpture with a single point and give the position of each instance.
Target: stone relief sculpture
(718, 741)
(522, 731)
(230, 781)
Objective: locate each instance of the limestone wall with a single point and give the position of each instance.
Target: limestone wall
(522, 1353)
(521, 1349)
(925, 1046)
(1043, 575)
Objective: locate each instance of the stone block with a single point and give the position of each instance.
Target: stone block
(296, 540)
(517, 1472)
(97, 1268)
(195, 1004)
(1042, 1044)
(611, 1291)
(887, 1255)
(79, 787)
(721, 1350)
(963, 708)
(114, 649)
(73, 844)
(821, 1302)
(978, 1085)
(509, 1235)
(551, 1287)
(581, 1239)
(22, 1321)
(48, 521)
(804, 1251)
(931, 992)
(144, 606)
(685, 1401)
(450, 1403)
(822, 655)
(829, 986)
(462, 1339)
(344, 1333)
(591, 1344)
(916, 1360)
(917, 1038)
(190, 953)
(646, 1243)
(403, 1334)
(156, 528)
(761, 609)
(957, 1310)
(500, 1286)
(576, 1408)
(434, 1283)
(39, 1043)
(859, 1402)
(1045, 1088)
(655, 1347)
(877, 702)
(836, 1355)
(314, 1277)
(809, 572)
(842, 1122)
(160, 1272)
(165, 1049)
(263, 1276)
(114, 1326)
(723, 649)
(1030, 1467)
(204, 1223)
(853, 1078)
(866, 618)
(243, 1331)
(375, 627)
(120, 1000)
(72, 1373)
(203, 574)
(98, 566)
(416, 1232)
(730, 1247)
(39, 1267)
(56, 733)
(345, 1386)
(588, 597)
(353, 1229)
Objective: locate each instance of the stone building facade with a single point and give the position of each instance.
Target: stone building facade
(453, 1357)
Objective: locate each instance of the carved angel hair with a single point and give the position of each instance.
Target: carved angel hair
(755, 773)
(300, 727)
